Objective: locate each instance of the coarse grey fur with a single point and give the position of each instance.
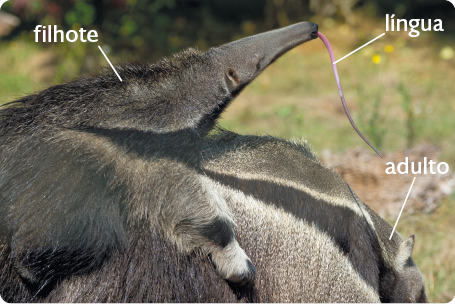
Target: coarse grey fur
(85, 163)
(310, 237)
(318, 242)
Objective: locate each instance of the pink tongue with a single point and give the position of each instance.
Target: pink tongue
(332, 57)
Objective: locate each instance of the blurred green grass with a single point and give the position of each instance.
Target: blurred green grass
(303, 80)
(297, 97)
(15, 80)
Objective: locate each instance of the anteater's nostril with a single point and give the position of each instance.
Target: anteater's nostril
(314, 33)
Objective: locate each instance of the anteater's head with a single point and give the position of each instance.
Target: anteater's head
(185, 92)
(401, 280)
(237, 63)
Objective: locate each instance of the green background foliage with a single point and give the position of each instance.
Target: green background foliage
(152, 28)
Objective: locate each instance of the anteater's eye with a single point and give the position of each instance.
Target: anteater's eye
(233, 76)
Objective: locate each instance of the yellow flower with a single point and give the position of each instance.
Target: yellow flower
(376, 59)
(447, 53)
(388, 48)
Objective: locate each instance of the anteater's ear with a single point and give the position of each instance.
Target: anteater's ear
(232, 79)
(404, 252)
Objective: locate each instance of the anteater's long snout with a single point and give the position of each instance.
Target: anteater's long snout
(284, 39)
(270, 45)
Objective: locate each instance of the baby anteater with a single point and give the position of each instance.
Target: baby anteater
(84, 162)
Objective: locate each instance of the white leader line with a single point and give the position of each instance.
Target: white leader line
(1, 3)
(402, 208)
(359, 48)
(110, 63)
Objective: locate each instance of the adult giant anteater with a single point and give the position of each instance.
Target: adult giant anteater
(310, 237)
(106, 187)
